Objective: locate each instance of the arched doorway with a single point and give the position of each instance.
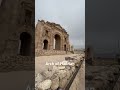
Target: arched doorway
(25, 44)
(65, 48)
(45, 44)
(57, 42)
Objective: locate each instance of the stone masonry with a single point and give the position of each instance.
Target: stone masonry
(50, 39)
(17, 34)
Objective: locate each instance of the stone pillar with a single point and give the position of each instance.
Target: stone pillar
(51, 41)
(62, 43)
(38, 36)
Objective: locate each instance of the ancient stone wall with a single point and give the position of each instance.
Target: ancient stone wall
(50, 36)
(17, 35)
(16, 63)
(50, 52)
(15, 21)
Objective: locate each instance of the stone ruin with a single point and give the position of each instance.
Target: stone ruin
(17, 35)
(61, 77)
(101, 73)
(51, 39)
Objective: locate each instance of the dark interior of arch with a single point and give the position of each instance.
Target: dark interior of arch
(57, 42)
(25, 48)
(65, 48)
(45, 44)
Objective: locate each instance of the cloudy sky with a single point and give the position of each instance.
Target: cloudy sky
(70, 14)
(103, 27)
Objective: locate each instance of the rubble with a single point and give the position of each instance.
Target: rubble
(57, 75)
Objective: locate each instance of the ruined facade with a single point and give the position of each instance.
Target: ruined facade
(16, 33)
(51, 39)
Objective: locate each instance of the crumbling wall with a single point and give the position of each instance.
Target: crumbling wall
(12, 23)
(56, 37)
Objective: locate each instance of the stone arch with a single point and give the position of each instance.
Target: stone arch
(57, 42)
(25, 44)
(45, 44)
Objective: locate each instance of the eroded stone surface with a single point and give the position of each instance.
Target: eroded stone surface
(45, 85)
(55, 83)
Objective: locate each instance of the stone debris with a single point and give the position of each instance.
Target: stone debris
(62, 74)
(55, 83)
(103, 77)
(57, 76)
(73, 69)
(61, 67)
(63, 82)
(47, 74)
(68, 67)
(55, 69)
(45, 85)
(39, 78)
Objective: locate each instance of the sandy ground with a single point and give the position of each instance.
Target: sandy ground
(40, 62)
(17, 80)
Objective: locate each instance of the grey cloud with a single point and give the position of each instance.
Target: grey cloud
(70, 14)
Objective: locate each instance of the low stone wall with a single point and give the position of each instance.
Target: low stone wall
(50, 52)
(16, 63)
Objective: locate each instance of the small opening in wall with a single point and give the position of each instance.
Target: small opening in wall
(65, 39)
(28, 16)
(46, 32)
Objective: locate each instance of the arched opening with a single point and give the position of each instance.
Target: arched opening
(25, 44)
(57, 42)
(65, 48)
(45, 44)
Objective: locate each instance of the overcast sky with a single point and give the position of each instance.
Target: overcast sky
(102, 30)
(70, 14)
